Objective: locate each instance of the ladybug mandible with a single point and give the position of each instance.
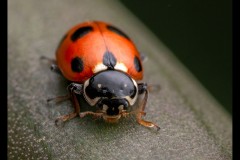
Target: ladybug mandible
(103, 65)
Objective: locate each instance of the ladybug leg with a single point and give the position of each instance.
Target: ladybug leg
(125, 114)
(53, 64)
(64, 118)
(94, 114)
(55, 69)
(74, 90)
(72, 115)
(153, 87)
(143, 88)
(73, 87)
(49, 60)
(143, 57)
(59, 98)
(150, 87)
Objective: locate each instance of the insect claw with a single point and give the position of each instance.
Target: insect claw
(59, 122)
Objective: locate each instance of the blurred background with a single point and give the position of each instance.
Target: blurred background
(199, 33)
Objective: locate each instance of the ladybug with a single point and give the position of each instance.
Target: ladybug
(104, 66)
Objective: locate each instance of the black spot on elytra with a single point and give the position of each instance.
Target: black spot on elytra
(80, 32)
(137, 64)
(109, 60)
(117, 31)
(77, 64)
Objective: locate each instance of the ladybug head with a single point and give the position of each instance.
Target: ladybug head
(112, 91)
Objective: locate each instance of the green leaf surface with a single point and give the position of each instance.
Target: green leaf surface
(193, 125)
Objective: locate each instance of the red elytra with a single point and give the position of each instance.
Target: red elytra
(94, 46)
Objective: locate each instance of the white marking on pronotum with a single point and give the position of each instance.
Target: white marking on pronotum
(121, 67)
(99, 67)
(133, 100)
(92, 102)
(99, 85)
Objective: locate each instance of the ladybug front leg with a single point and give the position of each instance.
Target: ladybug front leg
(49, 60)
(59, 98)
(53, 64)
(74, 90)
(55, 69)
(144, 89)
(96, 115)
